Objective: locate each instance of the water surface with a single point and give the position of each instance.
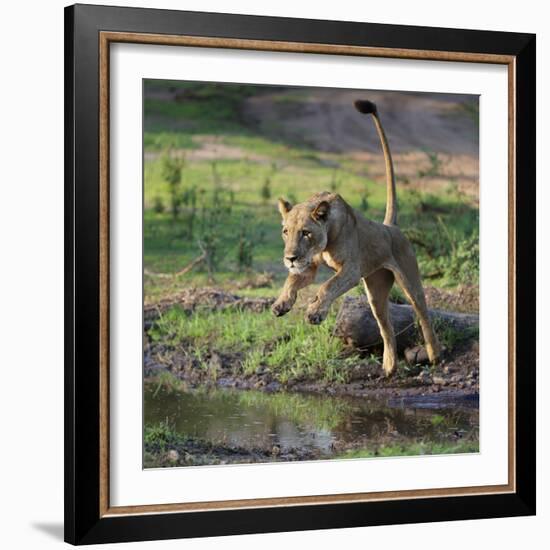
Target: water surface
(290, 421)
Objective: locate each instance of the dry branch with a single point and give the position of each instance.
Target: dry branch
(183, 271)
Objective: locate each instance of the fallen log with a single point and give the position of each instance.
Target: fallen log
(356, 325)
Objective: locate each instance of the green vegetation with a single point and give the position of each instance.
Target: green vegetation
(413, 448)
(224, 206)
(445, 235)
(292, 350)
(450, 336)
(160, 437)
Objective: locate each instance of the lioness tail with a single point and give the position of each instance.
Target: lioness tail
(369, 108)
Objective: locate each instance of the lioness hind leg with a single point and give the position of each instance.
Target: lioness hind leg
(408, 278)
(378, 286)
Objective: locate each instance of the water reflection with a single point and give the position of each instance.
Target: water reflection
(252, 419)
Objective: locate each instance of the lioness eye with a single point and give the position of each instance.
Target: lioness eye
(306, 234)
(285, 231)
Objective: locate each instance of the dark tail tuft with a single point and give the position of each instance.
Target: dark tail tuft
(366, 107)
(369, 108)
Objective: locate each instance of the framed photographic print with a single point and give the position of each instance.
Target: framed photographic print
(299, 274)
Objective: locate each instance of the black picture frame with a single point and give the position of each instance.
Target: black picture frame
(84, 523)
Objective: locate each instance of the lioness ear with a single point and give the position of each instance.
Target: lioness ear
(320, 212)
(284, 207)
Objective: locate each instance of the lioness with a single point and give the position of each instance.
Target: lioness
(326, 229)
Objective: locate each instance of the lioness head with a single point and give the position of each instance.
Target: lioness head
(304, 233)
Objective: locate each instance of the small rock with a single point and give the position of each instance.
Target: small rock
(416, 356)
(173, 455)
(439, 380)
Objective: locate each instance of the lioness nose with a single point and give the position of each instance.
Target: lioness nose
(291, 259)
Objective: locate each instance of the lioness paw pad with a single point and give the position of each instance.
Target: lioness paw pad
(280, 308)
(315, 317)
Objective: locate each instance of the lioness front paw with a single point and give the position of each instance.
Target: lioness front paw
(281, 307)
(316, 315)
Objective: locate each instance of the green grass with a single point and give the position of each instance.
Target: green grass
(414, 448)
(162, 140)
(446, 243)
(160, 437)
(291, 348)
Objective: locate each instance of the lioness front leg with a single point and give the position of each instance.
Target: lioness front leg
(337, 285)
(294, 282)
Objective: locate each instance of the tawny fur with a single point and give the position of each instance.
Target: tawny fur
(326, 229)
